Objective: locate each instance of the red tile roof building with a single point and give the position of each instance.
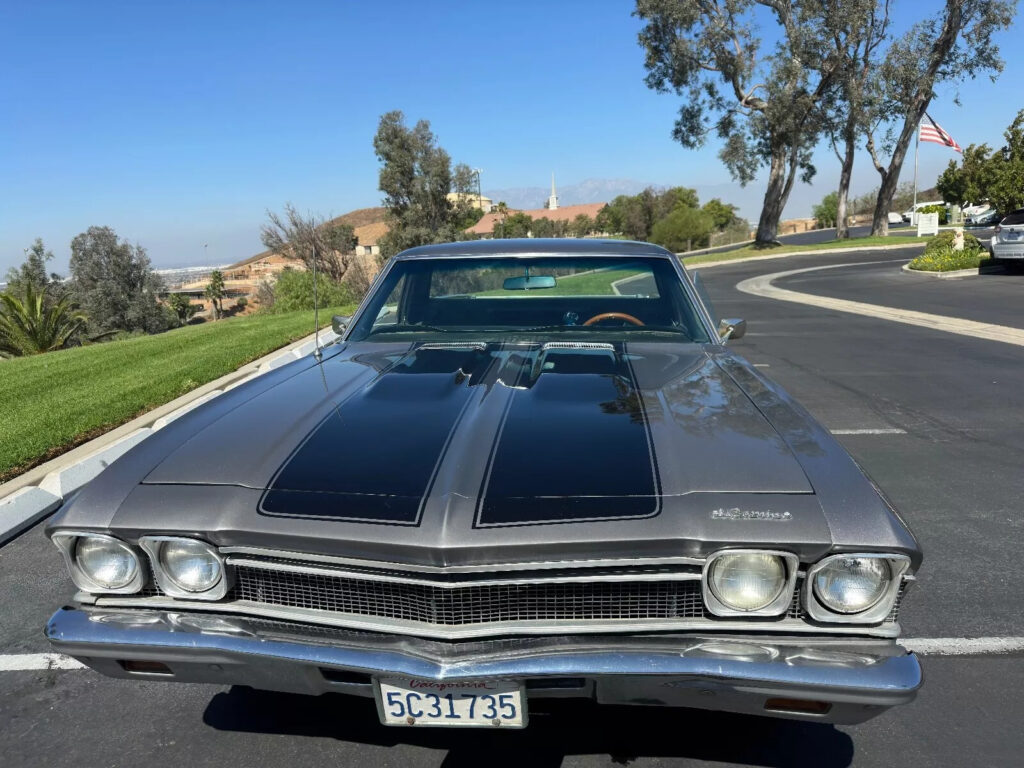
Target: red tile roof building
(485, 226)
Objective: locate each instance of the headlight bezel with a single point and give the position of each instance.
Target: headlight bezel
(67, 543)
(875, 614)
(776, 607)
(153, 546)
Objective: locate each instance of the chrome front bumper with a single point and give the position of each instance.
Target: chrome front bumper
(848, 680)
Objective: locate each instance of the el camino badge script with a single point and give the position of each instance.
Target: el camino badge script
(750, 514)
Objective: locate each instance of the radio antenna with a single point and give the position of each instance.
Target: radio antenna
(316, 302)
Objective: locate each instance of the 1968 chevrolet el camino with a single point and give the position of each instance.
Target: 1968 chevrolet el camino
(527, 469)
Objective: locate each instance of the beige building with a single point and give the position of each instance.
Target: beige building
(482, 202)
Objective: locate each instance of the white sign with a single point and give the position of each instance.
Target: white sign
(927, 224)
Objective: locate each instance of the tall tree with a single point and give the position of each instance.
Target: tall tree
(31, 325)
(764, 105)
(115, 284)
(32, 273)
(859, 30)
(416, 177)
(307, 238)
(949, 46)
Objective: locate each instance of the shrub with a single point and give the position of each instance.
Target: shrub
(945, 259)
(294, 291)
(241, 302)
(939, 209)
(944, 241)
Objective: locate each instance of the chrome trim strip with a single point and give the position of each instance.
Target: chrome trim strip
(578, 345)
(493, 629)
(443, 569)
(342, 573)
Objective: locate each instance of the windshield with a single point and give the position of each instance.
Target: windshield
(508, 298)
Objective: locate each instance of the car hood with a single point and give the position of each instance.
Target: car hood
(528, 433)
(488, 454)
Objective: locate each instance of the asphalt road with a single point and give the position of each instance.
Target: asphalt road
(955, 474)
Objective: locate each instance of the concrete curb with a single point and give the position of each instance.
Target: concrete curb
(816, 251)
(32, 496)
(762, 286)
(943, 275)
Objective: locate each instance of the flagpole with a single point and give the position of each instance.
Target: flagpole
(917, 145)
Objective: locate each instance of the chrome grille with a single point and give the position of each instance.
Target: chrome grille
(472, 604)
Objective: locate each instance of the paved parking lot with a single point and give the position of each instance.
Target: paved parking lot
(933, 417)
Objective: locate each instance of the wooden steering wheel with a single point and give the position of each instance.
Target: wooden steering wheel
(614, 316)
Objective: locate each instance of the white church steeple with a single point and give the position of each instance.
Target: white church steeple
(553, 200)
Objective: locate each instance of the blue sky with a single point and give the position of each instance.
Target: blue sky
(181, 123)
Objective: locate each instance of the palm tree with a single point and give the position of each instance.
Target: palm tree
(32, 326)
(502, 210)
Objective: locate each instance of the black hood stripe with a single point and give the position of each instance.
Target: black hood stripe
(573, 446)
(374, 458)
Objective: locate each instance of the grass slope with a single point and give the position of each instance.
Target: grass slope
(51, 403)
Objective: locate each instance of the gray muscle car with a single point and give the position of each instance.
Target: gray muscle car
(526, 469)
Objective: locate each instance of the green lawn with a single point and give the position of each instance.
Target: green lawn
(749, 251)
(53, 402)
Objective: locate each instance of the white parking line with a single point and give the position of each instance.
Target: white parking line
(761, 365)
(19, 662)
(868, 431)
(926, 646)
(963, 646)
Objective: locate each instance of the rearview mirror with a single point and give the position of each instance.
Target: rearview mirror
(732, 328)
(528, 282)
(339, 323)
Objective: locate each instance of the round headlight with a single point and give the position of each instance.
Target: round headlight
(747, 581)
(852, 584)
(107, 563)
(191, 565)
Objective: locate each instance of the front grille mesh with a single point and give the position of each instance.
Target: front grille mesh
(549, 602)
(475, 604)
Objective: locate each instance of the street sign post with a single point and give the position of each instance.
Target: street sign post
(927, 224)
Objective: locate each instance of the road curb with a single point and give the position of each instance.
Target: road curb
(33, 495)
(943, 275)
(815, 252)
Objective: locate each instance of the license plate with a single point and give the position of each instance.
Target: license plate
(411, 702)
(1011, 235)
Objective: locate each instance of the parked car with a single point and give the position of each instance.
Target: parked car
(527, 469)
(1007, 244)
(983, 218)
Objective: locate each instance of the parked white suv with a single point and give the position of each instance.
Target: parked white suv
(1007, 243)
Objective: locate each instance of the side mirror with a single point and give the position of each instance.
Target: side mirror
(732, 328)
(339, 323)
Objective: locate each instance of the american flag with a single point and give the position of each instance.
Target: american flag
(932, 131)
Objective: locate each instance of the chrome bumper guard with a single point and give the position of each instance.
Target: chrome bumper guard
(842, 680)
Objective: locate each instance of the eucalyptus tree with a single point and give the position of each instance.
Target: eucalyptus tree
(944, 47)
(114, 283)
(859, 33)
(32, 272)
(764, 102)
(416, 177)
